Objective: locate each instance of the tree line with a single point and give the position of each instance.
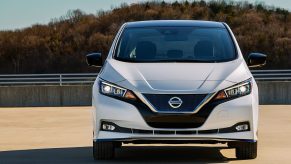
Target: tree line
(61, 45)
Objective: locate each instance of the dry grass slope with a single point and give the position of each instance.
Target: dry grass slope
(61, 45)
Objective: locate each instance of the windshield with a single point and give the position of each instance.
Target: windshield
(175, 44)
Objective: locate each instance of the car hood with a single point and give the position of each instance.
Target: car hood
(178, 77)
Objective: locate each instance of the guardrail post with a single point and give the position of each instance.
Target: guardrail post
(61, 80)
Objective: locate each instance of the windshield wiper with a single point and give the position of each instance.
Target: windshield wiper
(169, 61)
(185, 61)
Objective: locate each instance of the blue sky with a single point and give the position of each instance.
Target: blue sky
(23, 13)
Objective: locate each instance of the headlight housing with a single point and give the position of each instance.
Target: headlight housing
(238, 90)
(113, 90)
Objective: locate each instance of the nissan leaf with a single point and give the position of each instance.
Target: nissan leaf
(175, 81)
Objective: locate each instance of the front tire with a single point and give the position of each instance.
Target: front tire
(245, 150)
(103, 150)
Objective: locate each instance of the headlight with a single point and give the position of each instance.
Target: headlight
(238, 90)
(115, 91)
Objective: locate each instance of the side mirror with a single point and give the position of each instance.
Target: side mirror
(256, 60)
(94, 59)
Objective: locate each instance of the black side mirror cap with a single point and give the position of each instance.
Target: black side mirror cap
(257, 60)
(94, 59)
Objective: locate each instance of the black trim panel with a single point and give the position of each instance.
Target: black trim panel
(176, 120)
(231, 129)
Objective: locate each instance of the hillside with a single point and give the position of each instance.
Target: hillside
(61, 46)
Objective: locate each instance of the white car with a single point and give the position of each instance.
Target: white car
(177, 81)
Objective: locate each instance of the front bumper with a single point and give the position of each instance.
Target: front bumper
(126, 115)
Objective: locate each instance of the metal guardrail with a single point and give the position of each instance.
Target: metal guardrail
(49, 79)
(272, 75)
(89, 78)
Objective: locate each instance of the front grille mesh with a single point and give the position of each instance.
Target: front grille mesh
(161, 101)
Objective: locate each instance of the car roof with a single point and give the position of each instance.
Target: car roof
(174, 23)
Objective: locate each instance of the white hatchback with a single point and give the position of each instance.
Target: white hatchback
(175, 82)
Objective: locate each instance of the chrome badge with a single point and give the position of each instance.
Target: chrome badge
(175, 102)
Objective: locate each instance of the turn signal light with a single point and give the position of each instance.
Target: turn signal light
(220, 95)
(129, 95)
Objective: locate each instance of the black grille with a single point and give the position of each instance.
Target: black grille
(161, 101)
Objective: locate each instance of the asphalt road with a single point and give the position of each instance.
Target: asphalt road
(63, 135)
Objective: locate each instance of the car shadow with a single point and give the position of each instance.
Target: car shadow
(128, 154)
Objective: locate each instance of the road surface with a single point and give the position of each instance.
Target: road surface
(63, 135)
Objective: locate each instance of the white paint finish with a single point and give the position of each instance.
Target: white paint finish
(179, 77)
